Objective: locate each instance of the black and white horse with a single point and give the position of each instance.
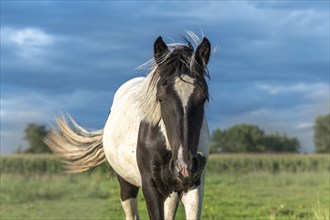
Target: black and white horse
(156, 136)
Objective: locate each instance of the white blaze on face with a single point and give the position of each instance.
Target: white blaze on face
(184, 87)
(180, 156)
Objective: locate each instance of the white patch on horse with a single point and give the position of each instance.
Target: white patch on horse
(130, 207)
(184, 87)
(193, 199)
(170, 206)
(121, 129)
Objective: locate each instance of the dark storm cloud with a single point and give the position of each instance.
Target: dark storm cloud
(272, 66)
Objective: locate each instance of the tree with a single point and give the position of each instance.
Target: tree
(239, 138)
(281, 143)
(35, 135)
(216, 140)
(250, 138)
(322, 134)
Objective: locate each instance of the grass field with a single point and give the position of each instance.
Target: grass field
(258, 194)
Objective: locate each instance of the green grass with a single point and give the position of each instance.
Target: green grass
(257, 195)
(320, 212)
(238, 186)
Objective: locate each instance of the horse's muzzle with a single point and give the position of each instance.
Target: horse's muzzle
(182, 170)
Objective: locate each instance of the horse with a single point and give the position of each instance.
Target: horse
(156, 136)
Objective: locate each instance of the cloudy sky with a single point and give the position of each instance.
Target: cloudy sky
(269, 66)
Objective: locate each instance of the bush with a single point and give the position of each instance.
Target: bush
(250, 138)
(322, 134)
(218, 163)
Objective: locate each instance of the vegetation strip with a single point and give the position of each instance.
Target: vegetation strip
(218, 163)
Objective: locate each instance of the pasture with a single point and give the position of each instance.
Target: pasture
(237, 187)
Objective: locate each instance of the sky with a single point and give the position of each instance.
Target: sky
(269, 64)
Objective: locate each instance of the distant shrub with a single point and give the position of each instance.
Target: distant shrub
(218, 163)
(242, 163)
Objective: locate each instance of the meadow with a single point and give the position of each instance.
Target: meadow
(237, 187)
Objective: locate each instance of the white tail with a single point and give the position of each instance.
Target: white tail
(81, 149)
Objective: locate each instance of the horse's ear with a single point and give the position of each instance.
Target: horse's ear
(160, 49)
(202, 54)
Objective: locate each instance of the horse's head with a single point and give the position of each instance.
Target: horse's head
(182, 93)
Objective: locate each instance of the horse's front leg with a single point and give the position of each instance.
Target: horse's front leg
(154, 200)
(171, 205)
(192, 201)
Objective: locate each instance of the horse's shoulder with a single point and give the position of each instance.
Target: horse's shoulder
(128, 87)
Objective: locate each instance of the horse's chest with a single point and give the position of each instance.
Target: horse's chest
(153, 158)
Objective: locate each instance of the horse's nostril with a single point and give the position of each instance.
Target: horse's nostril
(184, 171)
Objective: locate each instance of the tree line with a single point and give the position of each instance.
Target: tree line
(239, 138)
(251, 138)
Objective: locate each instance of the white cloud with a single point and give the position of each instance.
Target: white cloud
(27, 37)
(29, 44)
(313, 88)
(276, 89)
(305, 125)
